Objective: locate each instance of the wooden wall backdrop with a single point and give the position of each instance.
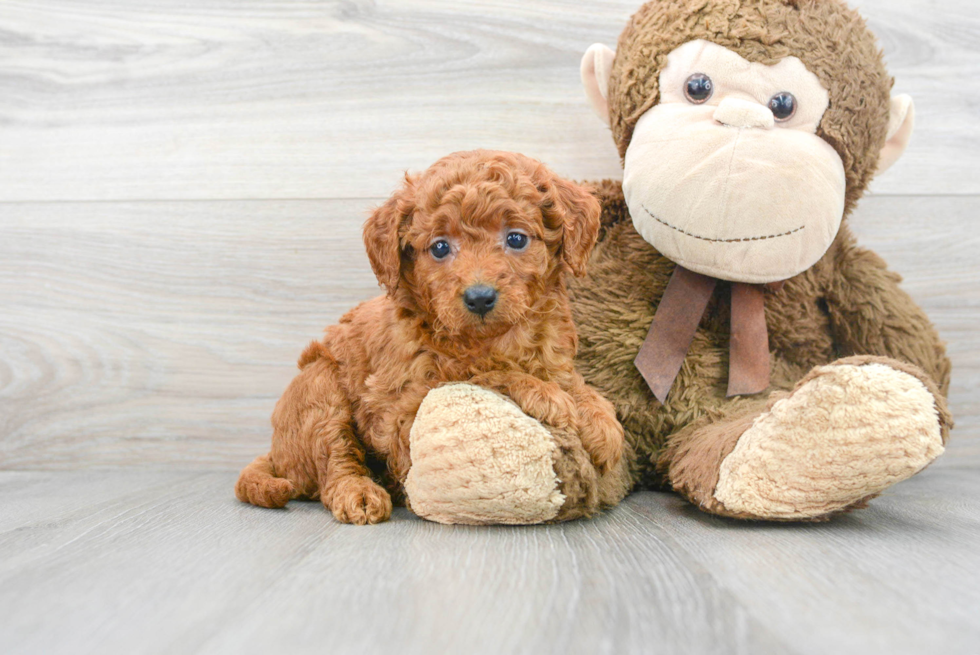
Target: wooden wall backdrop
(182, 186)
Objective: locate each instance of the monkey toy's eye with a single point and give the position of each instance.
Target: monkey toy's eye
(517, 240)
(782, 106)
(698, 88)
(440, 249)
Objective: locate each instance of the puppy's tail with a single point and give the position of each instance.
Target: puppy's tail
(259, 485)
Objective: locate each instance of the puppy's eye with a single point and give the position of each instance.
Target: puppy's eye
(782, 106)
(440, 249)
(698, 88)
(517, 240)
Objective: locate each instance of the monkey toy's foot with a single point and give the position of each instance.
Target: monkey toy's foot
(478, 459)
(847, 432)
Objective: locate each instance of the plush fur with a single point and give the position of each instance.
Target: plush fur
(478, 459)
(829, 38)
(827, 417)
(847, 304)
(359, 388)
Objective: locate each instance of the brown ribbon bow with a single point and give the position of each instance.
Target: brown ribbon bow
(680, 310)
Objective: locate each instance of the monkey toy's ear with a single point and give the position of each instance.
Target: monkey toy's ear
(596, 69)
(577, 211)
(900, 125)
(384, 231)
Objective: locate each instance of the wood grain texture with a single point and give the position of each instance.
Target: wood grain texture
(123, 100)
(170, 562)
(150, 315)
(162, 333)
(134, 332)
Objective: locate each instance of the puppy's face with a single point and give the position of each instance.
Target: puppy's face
(481, 259)
(483, 238)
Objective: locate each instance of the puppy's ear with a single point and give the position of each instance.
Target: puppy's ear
(577, 212)
(384, 231)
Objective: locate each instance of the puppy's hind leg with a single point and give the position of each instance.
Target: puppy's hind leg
(259, 485)
(346, 487)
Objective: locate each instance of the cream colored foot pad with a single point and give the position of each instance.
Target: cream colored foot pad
(849, 433)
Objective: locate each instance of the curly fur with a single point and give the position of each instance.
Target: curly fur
(360, 387)
(847, 304)
(829, 38)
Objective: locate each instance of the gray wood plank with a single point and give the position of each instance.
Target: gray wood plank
(117, 99)
(162, 333)
(178, 566)
(899, 577)
(141, 573)
(131, 333)
(28, 497)
(932, 241)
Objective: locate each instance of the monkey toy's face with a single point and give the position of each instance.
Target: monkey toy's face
(727, 174)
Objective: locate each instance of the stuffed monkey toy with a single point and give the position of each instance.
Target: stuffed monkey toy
(763, 365)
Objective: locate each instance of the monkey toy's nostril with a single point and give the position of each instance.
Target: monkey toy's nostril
(735, 112)
(480, 299)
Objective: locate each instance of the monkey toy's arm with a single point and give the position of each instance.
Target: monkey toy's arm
(871, 315)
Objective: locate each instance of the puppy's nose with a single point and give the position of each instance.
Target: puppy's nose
(480, 299)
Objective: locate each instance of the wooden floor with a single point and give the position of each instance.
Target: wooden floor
(170, 562)
(182, 186)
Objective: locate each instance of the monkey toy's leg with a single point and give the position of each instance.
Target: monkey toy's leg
(845, 433)
(315, 453)
(477, 458)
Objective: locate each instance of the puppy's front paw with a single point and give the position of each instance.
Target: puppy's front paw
(602, 437)
(543, 401)
(358, 499)
(548, 403)
(563, 413)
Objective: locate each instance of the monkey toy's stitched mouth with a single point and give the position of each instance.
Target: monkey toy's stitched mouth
(709, 239)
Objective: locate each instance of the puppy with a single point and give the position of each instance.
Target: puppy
(473, 254)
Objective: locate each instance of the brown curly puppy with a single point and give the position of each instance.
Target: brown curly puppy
(473, 254)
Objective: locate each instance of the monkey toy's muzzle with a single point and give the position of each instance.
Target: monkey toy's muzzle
(741, 201)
